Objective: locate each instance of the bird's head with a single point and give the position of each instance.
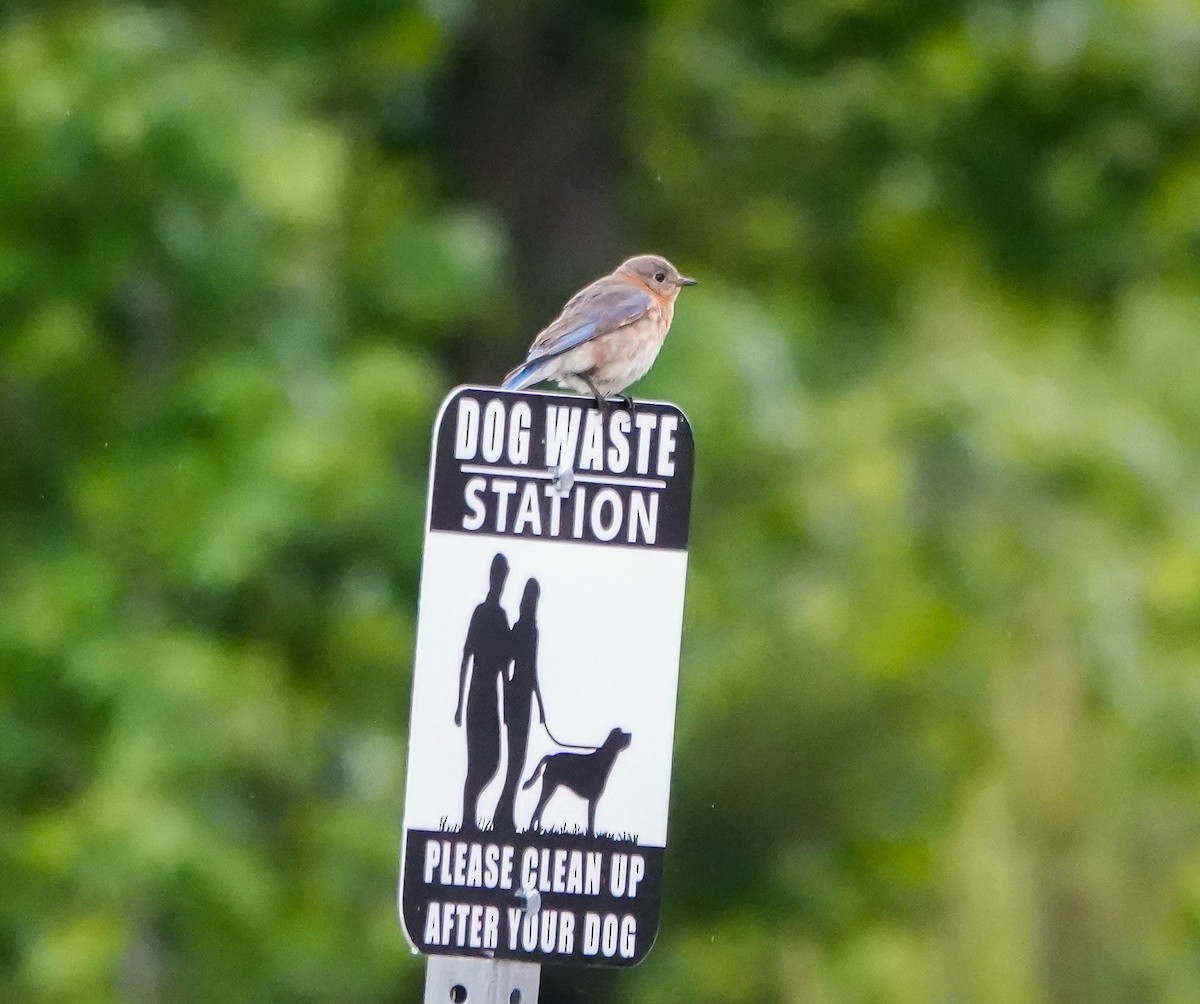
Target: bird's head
(656, 274)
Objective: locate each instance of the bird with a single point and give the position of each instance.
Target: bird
(608, 334)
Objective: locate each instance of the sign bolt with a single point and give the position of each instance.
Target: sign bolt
(531, 901)
(562, 477)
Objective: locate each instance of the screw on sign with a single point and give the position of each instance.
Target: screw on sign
(544, 682)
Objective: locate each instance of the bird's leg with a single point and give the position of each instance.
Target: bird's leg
(627, 403)
(601, 403)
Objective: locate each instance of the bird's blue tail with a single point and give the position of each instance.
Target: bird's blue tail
(524, 376)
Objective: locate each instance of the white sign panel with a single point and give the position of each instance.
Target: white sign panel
(545, 676)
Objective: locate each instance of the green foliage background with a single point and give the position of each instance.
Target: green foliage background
(939, 726)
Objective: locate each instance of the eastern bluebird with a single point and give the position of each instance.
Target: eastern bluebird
(608, 334)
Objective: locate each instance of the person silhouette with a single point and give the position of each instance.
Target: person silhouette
(488, 652)
(518, 690)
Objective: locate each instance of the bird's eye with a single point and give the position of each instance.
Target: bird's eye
(659, 276)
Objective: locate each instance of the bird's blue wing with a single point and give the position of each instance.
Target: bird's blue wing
(604, 306)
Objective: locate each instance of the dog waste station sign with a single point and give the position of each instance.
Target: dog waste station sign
(545, 676)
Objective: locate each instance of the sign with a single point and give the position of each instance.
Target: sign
(547, 662)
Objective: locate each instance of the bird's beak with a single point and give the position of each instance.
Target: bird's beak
(684, 280)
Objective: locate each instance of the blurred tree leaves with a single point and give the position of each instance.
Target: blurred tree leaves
(938, 731)
(209, 584)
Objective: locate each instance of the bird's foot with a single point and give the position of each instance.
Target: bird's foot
(605, 405)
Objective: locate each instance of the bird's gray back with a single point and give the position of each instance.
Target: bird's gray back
(607, 304)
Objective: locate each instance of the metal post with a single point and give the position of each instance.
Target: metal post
(455, 979)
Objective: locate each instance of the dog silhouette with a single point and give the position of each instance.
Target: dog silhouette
(586, 774)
